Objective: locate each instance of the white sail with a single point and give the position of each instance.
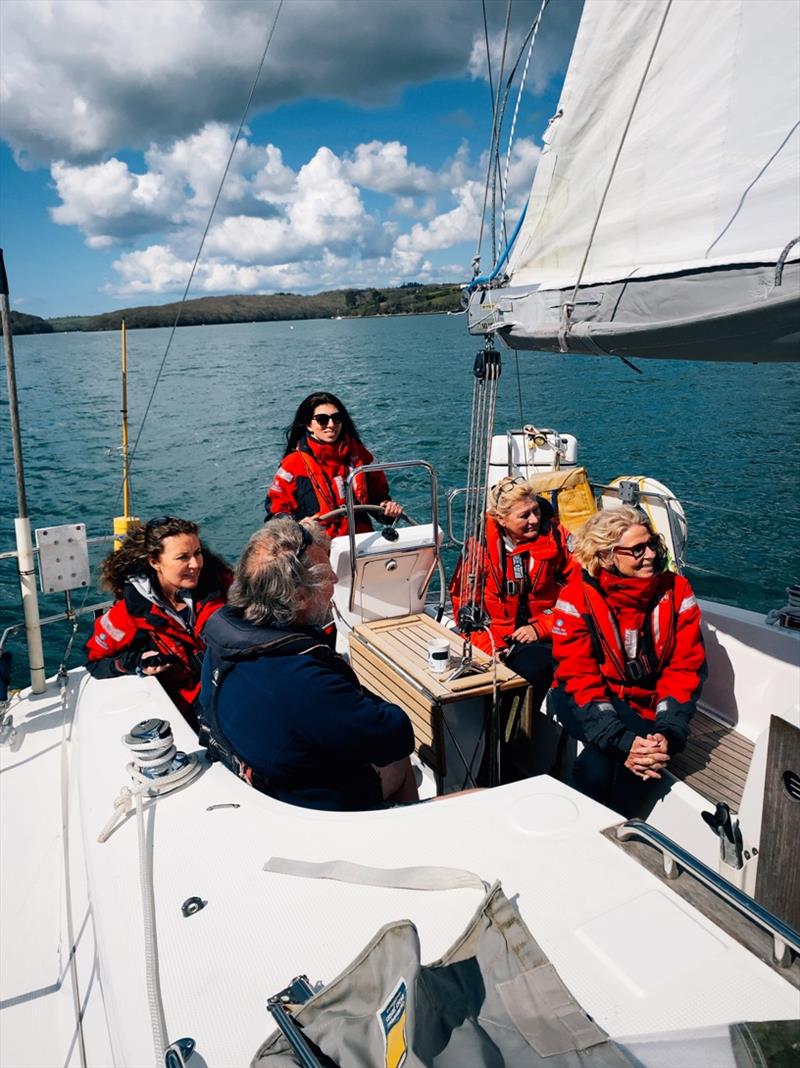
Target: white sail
(709, 169)
(664, 218)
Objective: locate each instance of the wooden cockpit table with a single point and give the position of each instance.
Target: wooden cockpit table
(452, 720)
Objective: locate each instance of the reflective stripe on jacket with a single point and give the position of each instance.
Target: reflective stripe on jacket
(134, 625)
(507, 596)
(590, 621)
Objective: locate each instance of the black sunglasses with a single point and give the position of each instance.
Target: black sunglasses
(306, 543)
(638, 551)
(158, 521)
(323, 418)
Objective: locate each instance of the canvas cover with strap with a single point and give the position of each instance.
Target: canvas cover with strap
(570, 494)
(493, 1000)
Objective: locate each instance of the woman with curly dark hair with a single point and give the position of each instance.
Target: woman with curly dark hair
(167, 585)
(323, 447)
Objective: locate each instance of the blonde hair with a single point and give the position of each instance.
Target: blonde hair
(601, 533)
(506, 493)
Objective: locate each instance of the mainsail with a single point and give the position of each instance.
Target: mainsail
(666, 202)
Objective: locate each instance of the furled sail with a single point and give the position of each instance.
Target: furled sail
(668, 190)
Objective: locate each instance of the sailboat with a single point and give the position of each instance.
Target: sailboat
(150, 919)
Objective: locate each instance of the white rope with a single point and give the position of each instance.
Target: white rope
(504, 183)
(152, 971)
(72, 949)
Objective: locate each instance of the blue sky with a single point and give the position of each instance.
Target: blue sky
(362, 161)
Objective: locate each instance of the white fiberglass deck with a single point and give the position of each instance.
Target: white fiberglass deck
(637, 958)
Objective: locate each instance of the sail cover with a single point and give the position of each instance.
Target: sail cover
(692, 111)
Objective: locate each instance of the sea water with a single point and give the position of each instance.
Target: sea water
(723, 437)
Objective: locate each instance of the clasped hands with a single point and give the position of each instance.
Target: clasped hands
(648, 756)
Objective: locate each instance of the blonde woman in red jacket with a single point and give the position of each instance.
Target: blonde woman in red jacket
(629, 655)
(520, 571)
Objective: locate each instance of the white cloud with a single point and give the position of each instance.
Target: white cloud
(110, 203)
(155, 269)
(82, 79)
(383, 166)
(442, 232)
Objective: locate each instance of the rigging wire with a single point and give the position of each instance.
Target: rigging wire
(488, 53)
(490, 167)
(504, 183)
(207, 227)
(76, 617)
(495, 161)
(498, 115)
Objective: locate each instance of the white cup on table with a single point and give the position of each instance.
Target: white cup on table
(438, 655)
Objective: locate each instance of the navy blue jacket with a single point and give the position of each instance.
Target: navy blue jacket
(294, 712)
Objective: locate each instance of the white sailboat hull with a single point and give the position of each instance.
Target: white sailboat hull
(582, 898)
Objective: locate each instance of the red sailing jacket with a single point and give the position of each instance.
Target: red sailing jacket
(549, 565)
(311, 480)
(591, 619)
(135, 624)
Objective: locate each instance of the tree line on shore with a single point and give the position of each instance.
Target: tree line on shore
(412, 298)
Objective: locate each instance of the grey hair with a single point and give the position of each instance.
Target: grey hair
(273, 577)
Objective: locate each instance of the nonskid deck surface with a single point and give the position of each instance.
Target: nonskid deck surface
(636, 957)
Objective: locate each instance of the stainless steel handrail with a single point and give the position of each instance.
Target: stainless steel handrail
(99, 539)
(58, 618)
(784, 937)
(395, 465)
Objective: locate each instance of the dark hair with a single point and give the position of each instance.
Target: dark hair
(298, 427)
(144, 540)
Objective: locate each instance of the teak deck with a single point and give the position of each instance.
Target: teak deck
(715, 761)
(390, 657)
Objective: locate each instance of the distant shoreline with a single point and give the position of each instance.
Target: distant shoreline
(413, 298)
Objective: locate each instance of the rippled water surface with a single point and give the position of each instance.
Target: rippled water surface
(723, 437)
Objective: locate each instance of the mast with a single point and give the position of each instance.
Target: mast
(22, 526)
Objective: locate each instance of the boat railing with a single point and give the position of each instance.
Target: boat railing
(59, 617)
(71, 612)
(100, 539)
(785, 939)
(397, 465)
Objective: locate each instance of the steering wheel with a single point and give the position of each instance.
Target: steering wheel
(376, 510)
(369, 509)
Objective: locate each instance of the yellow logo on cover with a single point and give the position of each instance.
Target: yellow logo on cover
(392, 1018)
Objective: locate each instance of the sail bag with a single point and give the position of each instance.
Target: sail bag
(493, 999)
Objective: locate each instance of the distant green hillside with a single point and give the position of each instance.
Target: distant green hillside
(21, 323)
(409, 299)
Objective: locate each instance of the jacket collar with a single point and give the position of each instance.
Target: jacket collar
(147, 595)
(232, 637)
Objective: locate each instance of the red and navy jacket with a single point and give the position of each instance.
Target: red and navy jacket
(636, 639)
(520, 585)
(141, 622)
(311, 481)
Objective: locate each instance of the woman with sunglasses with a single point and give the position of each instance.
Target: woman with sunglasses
(322, 448)
(524, 563)
(167, 584)
(630, 658)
